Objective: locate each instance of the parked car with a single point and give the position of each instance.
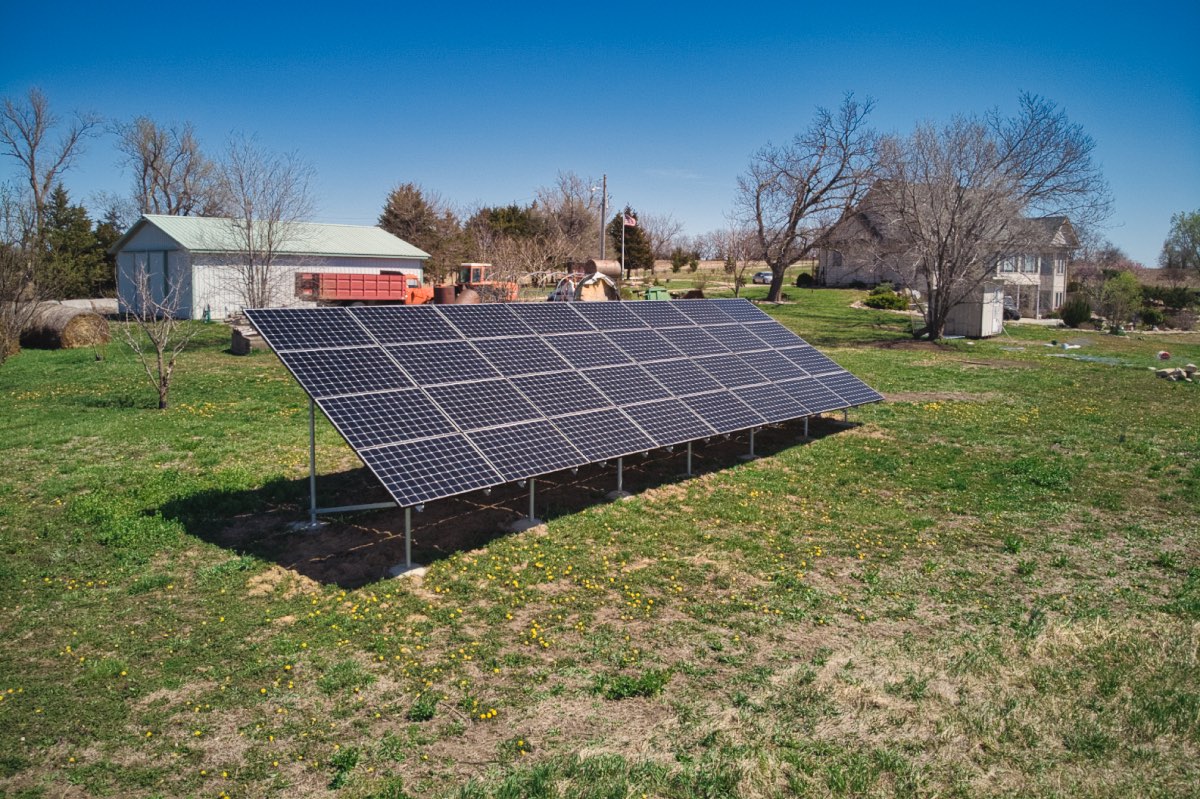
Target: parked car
(762, 277)
(1010, 309)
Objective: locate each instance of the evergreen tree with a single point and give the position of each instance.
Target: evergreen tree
(428, 223)
(638, 254)
(75, 264)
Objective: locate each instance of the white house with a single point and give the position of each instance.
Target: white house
(201, 257)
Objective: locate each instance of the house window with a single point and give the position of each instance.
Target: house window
(1058, 299)
(1029, 263)
(1008, 265)
(1060, 265)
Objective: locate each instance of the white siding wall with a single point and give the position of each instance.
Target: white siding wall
(216, 284)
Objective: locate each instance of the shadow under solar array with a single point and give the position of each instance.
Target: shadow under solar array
(441, 400)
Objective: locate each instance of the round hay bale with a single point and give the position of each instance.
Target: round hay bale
(53, 326)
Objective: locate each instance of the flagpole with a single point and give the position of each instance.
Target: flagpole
(623, 218)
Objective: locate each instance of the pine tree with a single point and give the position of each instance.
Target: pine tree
(638, 254)
(75, 264)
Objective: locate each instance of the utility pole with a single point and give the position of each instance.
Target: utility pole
(603, 211)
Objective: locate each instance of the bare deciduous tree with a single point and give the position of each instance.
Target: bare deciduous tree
(792, 195)
(26, 128)
(268, 196)
(954, 200)
(154, 332)
(662, 232)
(170, 174)
(19, 291)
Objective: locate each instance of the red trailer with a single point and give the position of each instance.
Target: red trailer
(357, 288)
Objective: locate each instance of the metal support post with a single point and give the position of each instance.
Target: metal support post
(845, 414)
(806, 427)
(689, 459)
(408, 539)
(532, 515)
(620, 492)
(750, 456)
(312, 462)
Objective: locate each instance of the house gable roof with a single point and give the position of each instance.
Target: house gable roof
(217, 234)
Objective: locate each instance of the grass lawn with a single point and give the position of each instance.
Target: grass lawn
(987, 586)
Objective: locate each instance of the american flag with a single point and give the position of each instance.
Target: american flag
(630, 220)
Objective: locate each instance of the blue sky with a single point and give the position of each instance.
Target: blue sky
(483, 104)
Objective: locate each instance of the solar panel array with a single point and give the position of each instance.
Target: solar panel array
(441, 400)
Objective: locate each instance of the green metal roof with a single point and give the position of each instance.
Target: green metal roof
(216, 234)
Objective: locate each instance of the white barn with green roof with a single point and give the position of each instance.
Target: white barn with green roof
(201, 256)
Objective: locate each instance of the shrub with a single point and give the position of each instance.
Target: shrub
(1076, 311)
(1152, 317)
(804, 280)
(883, 288)
(1182, 320)
(887, 302)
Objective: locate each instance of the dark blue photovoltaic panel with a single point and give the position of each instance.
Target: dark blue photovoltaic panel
(527, 450)
(811, 361)
(730, 371)
(741, 310)
(775, 334)
(603, 434)
(440, 400)
(736, 338)
(681, 377)
(443, 362)
(626, 384)
(668, 422)
(813, 396)
(560, 392)
(368, 420)
(772, 403)
(307, 328)
(609, 315)
(554, 317)
(642, 345)
(486, 403)
(850, 388)
(391, 324)
(520, 356)
(323, 373)
(484, 321)
(693, 341)
(724, 412)
(702, 312)
(583, 350)
(659, 314)
(418, 471)
(774, 366)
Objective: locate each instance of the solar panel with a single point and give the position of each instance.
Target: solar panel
(811, 361)
(693, 341)
(484, 321)
(668, 422)
(850, 388)
(681, 377)
(308, 328)
(440, 400)
(736, 338)
(324, 373)
(442, 362)
(368, 420)
(560, 392)
(520, 356)
(418, 323)
(724, 412)
(554, 317)
(432, 468)
(486, 403)
(603, 434)
(609, 316)
(585, 350)
(642, 345)
(527, 450)
(626, 384)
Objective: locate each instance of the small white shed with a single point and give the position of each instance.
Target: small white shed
(979, 316)
(201, 256)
